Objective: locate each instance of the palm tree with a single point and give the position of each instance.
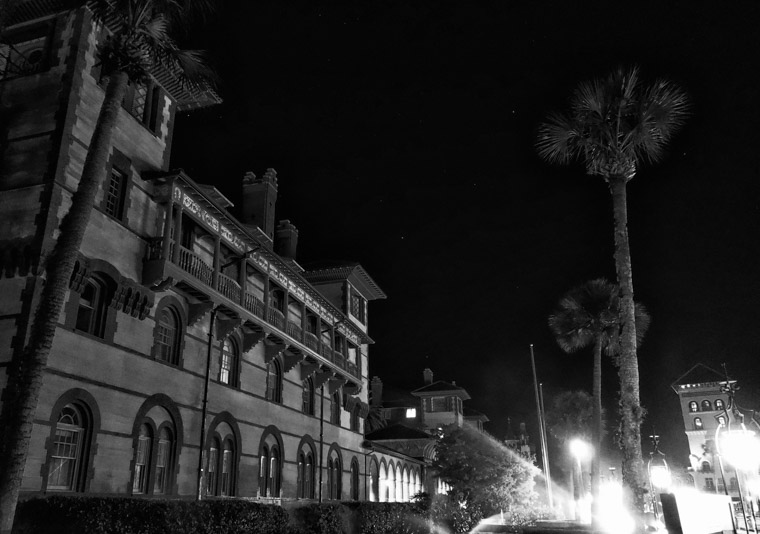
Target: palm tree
(139, 40)
(589, 315)
(614, 125)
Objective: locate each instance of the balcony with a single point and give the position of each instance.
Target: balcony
(196, 277)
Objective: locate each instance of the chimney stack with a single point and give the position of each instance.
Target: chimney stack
(259, 199)
(376, 391)
(286, 239)
(427, 376)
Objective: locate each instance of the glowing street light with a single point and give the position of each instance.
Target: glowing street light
(581, 451)
(659, 474)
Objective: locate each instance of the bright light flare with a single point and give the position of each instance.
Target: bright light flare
(660, 476)
(580, 449)
(613, 516)
(741, 449)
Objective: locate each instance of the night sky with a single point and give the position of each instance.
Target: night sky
(402, 136)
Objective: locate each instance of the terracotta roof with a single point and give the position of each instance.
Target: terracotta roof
(440, 387)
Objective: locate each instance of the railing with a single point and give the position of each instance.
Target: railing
(195, 266)
(228, 287)
(326, 351)
(276, 318)
(294, 331)
(254, 305)
(155, 248)
(339, 359)
(352, 368)
(311, 341)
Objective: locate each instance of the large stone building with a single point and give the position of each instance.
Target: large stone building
(708, 417)
(192, 346)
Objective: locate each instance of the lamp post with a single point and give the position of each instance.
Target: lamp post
(581, 451)
(659, 473)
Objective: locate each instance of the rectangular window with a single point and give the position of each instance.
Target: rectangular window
(357, 307)
(411, 413)
(226, 459)
(224, 372)
(114, 194)
(144, 103)
(141, 460)
(211, 473)
(64, 460)
(161, 468)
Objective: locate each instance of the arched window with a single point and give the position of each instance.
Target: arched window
(67, 462)
(93, 304)
(225, 482)
(334, 475)
(305, 473)
(168, 335)
(354, 480)
(270, 466)
(693, 406)
(721, 420)
(274, 381)
(142, 460)
(706, 406)
(307, 404)
(391, 483)
(719, 404)
(263, 471)
(274, 472)
(355, 418)
(335, 409)
(164, 459)
(697, 423)
(212, 469)
(228, 367)
(374, 481)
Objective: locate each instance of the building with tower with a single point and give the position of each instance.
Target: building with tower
(193, 354)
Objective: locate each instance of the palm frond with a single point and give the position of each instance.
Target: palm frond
(557, 139)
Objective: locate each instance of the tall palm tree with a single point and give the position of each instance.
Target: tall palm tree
(613, 126)
(139, 40)
(589, 315)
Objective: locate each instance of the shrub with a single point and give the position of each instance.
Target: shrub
(382, 518)
(318, 519)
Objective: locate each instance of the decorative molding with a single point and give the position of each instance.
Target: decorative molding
(224, 326)
(308, 368)
(196, 311)
(290, 360)
(273, 349)
(322, 376)
(334, 384)
(251, 338)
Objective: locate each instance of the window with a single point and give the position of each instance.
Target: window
(142, 460)
(305, 474)
(697, 423)
(270, 468)
(436, 404)
(67, 458)
(225, 483)
(91, 313)
(276, 299)
(719, 405)
(411, 413)
(335, 409)
(144, 103)
(354, 480)
(705, 467)
(709, 484)
(374, 481)
(168, 336)
(115, 193)
(163, 462)
(212, 470)
(228, 367)
(307, 404)
(693, 406)
(358, 306)
(334, 472)
(263, 471)
(274, 381)
(721, 420)
(706, 406)
(27, 53)
(355, 418)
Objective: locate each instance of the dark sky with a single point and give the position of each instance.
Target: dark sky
(402, 135)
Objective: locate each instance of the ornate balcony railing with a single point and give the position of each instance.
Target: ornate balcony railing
(294, 331)
(276, 318)
(311, 341)
(228, 287)
(195, 266)
(254, 305)
(326, 351)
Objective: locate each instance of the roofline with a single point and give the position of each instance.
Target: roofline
(677, 383)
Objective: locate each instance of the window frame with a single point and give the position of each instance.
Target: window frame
(335, 408)
(308, 396)
(229, 374)
(274, 380)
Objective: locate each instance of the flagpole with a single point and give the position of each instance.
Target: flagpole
(541, 431)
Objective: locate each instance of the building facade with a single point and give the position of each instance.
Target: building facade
(194, 355)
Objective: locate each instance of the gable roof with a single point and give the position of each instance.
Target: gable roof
(699, 374)
(352, 271)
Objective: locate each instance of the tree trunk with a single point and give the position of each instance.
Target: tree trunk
(25, 375)
(631, 413)
(596, 431)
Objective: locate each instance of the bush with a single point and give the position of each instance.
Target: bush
(386, 518)
(112, 515)
(317, 519)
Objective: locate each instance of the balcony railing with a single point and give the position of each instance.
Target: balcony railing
(197, 267)
(276, 318)
(229, 288)
(254, 305)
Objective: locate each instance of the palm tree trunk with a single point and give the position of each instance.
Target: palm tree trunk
(631, 413)
(597, 428)
(26, 373)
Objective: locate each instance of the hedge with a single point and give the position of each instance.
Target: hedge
(382, 518)
(112, 515)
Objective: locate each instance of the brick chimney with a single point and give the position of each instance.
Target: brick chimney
(286, 239)
(376, 391)
(427, 376)
(259, 199)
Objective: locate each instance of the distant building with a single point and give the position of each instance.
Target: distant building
(171, 291)
(702, 392)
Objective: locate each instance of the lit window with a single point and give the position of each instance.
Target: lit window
(693, 406)
(211, 471)
(163, 462)
(228, 367)
(697, 423)
(142, 460)
(411, 413)
(719, 405)
(226, 479)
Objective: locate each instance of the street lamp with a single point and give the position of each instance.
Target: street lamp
(659, 473)
(581, 451)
